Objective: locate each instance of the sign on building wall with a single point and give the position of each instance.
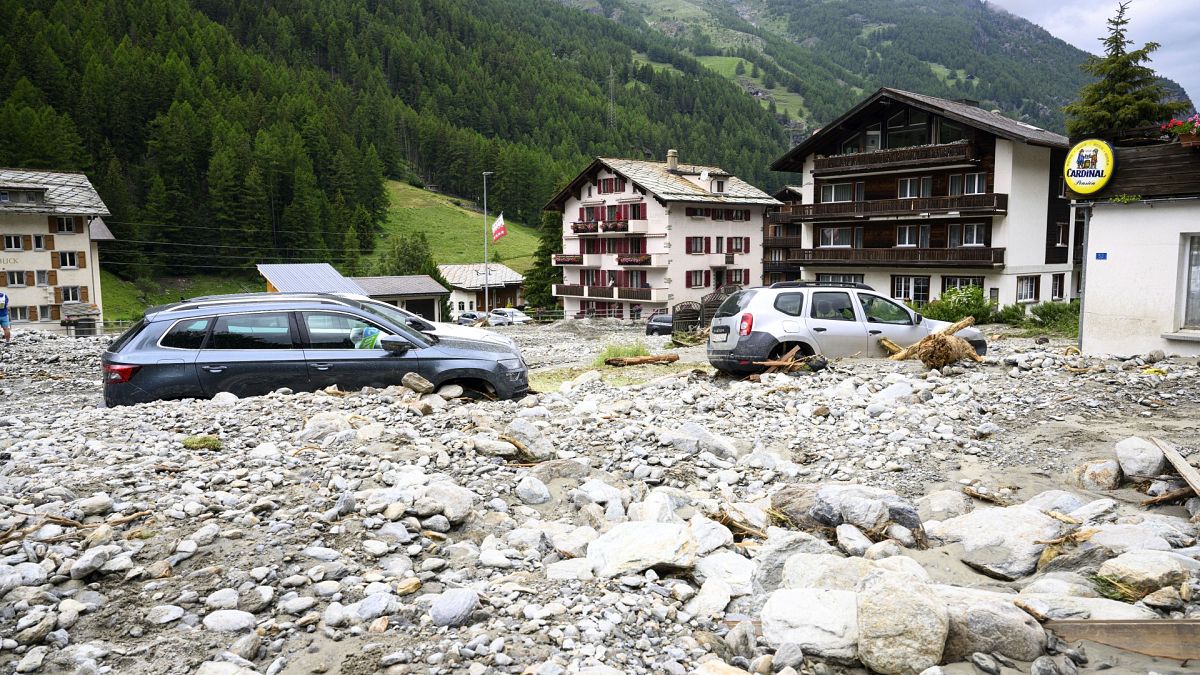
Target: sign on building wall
(1089, 166)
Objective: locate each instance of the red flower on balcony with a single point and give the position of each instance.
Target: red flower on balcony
(615, 226)
(585, 227)
(568, 259)
(635, 259)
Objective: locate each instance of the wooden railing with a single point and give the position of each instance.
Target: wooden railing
(568, 259)
(635, 293)
(568, 289)
(611, 292)
(967, 256)
(878, 159)
(783, 242)
(984, 203)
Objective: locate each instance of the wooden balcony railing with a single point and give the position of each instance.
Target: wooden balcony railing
(783, 242)
(968, 256)
(642, 294)
(921, 206)
(585, 227)
(568, 259)
(568, 289)
(922, 155)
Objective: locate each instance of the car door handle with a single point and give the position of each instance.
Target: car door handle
(321, 366)
(213, 368)
(819, 330)
(874, 332)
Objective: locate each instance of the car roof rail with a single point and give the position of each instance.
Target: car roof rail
(821, 284)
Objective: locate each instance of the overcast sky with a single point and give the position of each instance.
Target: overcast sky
(1174, 24)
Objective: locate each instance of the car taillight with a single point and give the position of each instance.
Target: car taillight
(115, 373)
(746, 324)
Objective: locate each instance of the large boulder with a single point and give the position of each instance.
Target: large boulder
(1138, 456)
(732, 568)
(639, 545)
(1051, 606)
(1000, 542)
(986, 621)
(943, 504)
(868, 508)
(773, 554)
(823, 623)
(691, 438)
(809, 570)
(1104, 475)
(902, 626)
(533, 442)
(1147, 571)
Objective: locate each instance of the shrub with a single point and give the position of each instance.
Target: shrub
(1060, 317)
(1013, 315)
(616, 351)
(202, 443)
(959, 303)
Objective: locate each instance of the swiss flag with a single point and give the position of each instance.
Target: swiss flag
(498, 229)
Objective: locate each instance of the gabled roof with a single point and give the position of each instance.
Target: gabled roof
(99, 231)
(667, 185)
(66, 193)
(307, 278)
(413, 284)
(966, 113)
(788, 192)
(472, 276)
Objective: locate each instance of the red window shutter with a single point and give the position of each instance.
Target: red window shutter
(745, 244)
(707, 249)
(746, 277)
(581, 214)
(707, 278)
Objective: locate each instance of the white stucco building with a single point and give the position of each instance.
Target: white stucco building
(1142, 274)
(50, 264)
(640, 236)
(914, 195)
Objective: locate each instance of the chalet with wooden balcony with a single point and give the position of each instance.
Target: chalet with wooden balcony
(915, 194)
(640, 236)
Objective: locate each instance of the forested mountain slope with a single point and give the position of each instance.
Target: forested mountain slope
(231, 131)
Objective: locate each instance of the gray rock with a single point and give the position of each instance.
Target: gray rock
(1138, 456)
(1148, 571)
(772, 556)
(788, 655)
(456, 501)
(164, 614)
(639, 545)
(229, 621)
(1004, 538)
(37, 632)
(417, 383)
(96, 505)
(987, 622)
(851, 540)
(536, 446)
(33, 659)
(453, 607)
(92, 560)
(943, 504)
(532, 491)
(741, 639)
(823, 623)
(902, 626)
(711, 600)
(1043, 665)
(1104, 475)
(732, 568)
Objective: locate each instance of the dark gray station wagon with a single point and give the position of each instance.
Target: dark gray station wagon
(253, 347)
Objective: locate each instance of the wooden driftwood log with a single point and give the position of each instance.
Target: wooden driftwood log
(953, 328)
(639, 360)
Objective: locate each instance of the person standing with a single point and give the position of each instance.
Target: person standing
(4, 322)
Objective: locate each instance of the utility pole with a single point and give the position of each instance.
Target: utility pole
(486, 237)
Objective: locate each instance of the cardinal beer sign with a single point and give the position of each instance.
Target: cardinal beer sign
(1089, 166)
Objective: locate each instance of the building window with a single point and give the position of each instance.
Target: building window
(973, 234)
(611, 185)
(720, 186)
(956, 182)
(68, 259)
(471, 305)
(39, 242)
(695, 244)
(3, 195)
(695, 279)
(15, 278)
(736, 244)
(44, 312)
(738, 214)
(696, 212)
(961, 282)
(42, 277)
(637, 211)
(1064, 234)
(906, 235)
(1191, 305)
(1058, 284)
(836, 237)
(66, 224)
(948, 132)
(976, 184)
(12, 242)
(1027, 288)
(18, 313)
(911, 188)
(735, 277)
(837, 192)
(70, 293)
(840, 278)
(461, 305)
(908, 128)
(911, 289)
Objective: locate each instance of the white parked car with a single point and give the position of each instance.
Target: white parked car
(515, 316)
(435, 328)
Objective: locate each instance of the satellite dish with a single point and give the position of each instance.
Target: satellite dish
(704, 176)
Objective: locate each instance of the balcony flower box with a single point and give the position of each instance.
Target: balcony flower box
(568, 259)
(634, 259)
(615, 226)
(1186, 130)
(589, 227)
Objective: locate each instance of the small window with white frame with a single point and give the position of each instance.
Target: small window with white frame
(65, 224)
(39, 242)
(70, 293)
(42, 277)
(44, 312)
(975, 184)
(720, 186)
(973, 234)
(12, 242)
(837, 237)
(956, 185)
(906, 235)
(837, 192)
(18, 313)
(835, 278)
(1058, 284)
(695, 279)
(1191, 301)
(912, 188)
(735, 277)
(68, 259)
(1027, 288)
(1064, 235)
(15, 278)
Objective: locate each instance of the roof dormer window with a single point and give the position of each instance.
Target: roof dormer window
(720, 186)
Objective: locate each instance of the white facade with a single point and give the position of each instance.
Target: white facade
(1142, 272)
(662, 252)
(47, 262)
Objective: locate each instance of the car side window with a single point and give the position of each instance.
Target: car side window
(791, 304)
(261, 330)
(882, 310)
(832, 306)
(331, 330)
(186, 334)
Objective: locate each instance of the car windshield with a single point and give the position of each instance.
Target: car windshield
(734, 304)
(397, 319)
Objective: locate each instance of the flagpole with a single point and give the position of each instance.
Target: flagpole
(486, 270)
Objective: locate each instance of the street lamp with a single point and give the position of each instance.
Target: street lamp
(486, 236)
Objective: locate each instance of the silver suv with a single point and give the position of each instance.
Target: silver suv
(831, 319)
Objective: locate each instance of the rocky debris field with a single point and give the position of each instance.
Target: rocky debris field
(811, 523)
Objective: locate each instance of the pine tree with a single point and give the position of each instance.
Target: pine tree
(350, 255)
(540, 280)
(740, 68)
(1127, 94)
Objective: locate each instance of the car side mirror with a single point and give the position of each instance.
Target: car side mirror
(394, 344)
(917, 319)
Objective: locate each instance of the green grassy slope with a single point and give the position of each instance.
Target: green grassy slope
(127, 300)
(455, 233)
